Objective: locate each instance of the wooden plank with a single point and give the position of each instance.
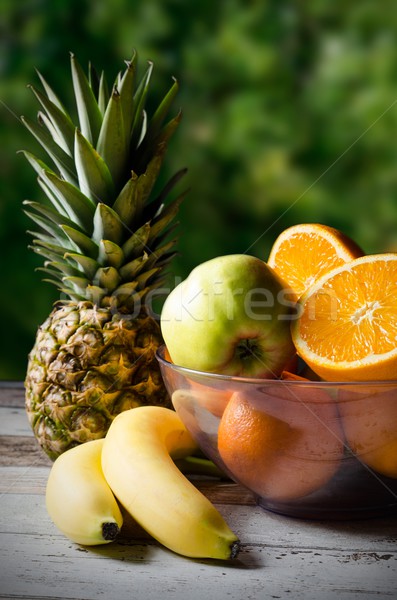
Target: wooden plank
(55, 568)
(12, 394)
(280, 558)
(21, 450)
(14, 421)
(32, 479)
(23, 514)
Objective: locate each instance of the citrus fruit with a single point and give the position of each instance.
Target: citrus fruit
(302, 253)
(347, 324)
(369, 417)
(283, 441)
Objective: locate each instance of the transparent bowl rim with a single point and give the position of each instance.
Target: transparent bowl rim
(263, 381)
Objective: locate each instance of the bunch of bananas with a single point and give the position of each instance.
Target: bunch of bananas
(136, 463)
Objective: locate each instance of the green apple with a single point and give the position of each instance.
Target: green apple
(231, 316)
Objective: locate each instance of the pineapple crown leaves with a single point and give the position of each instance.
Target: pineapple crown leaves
(102, 231)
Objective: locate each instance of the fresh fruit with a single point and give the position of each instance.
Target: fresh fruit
(200, 412)
(369, 418)
(283, 441)
(230, 316)
(302, 253)
(347, 329)
(103, 235)
(78, 498)
(137, 461)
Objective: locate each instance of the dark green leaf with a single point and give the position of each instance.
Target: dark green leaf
(90, 117)
(51, 95)
(103, 96)
(110, 254)
(134, 246)
(81, 209)
(95, 180)
(60, 121)
(126, 89)
(139, 103)
(107, 225)
(63, 161)
(130, 270)
(88, 265)
(107, 278)
(113, 142)
(84, 243)
(158, 118)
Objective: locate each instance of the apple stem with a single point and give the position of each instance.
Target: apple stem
(247, 348)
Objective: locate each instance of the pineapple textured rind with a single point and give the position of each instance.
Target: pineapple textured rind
(104, 235)
(86, 366)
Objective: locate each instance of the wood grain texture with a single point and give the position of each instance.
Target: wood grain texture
(281, 558)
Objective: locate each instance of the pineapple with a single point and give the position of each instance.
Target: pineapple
(105, 240)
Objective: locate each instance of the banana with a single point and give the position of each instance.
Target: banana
(137, 461)
(78, 498)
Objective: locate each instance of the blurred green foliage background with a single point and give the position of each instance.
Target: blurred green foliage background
(290, 115)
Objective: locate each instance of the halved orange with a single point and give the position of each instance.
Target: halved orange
(346, 328)
(303, 253)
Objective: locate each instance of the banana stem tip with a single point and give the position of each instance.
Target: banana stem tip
(110, 531)
(235, 549)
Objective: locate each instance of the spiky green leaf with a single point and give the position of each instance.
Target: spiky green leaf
(37, 164)
(139, 103)
(60, 121)
(95, 180)
(79, 284)
(46, 122)
(51, 95)
(49, 244)
(52, 198)
(50, 213)
(113, 142)
(94, 293)
(161, 112)
(145, 277)
(48, 225)
(48, 254)
(165, 217)
(131, 270)
(137, 242)
(90, 117)
(154, 206)
(107, 278)
(158, 253)
(87, 265)
(63, 161)
(132, 199)
(126, 89)
(107, 225)
(64, 268)
(110, 254)
(103, 94)
(85, 244)
(93, 79)
(79, 207)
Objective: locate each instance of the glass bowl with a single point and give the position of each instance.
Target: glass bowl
(310, 449)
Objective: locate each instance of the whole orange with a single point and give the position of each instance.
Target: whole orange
(369, 418)
(283, 441)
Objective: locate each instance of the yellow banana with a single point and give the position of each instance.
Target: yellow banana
(137, 461)
(78, 498)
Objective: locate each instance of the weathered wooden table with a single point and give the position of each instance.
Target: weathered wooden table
(280, 557)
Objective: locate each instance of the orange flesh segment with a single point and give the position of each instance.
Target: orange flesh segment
(303, 253)
(350, 315)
